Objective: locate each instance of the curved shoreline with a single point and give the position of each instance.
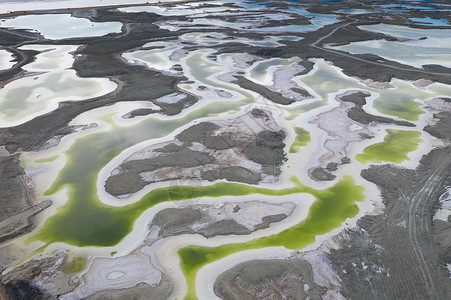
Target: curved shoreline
(15, 8)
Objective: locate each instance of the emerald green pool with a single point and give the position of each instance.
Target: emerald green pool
(395, 147)
(84, 220)
(331, 208)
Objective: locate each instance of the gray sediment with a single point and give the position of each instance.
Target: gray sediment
(321, 174)
(230, 150)
(232, 174)
(177, 221)
(442, 128)
(269, 279)
(17, 207)
(400, 253)
(129, 180)
(37, 279)
(265, 92)
(141, 291)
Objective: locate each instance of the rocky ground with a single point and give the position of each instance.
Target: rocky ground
(248, 149)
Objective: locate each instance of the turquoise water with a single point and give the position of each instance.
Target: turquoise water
(407, 32)
(402, 8)
(199, 16)
(317, 20)
(356, 11)
(432, 22)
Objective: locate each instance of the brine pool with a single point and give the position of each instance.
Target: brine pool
(424, 46)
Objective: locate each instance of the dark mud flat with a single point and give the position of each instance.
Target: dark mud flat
(271, 279)
(17, 207)
(20, 283)
(442, 129)
(403, 248)
(226, 146)
(267, 93)
(141, 291)
(176, 221)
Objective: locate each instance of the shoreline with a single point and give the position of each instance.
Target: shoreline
(19, 9)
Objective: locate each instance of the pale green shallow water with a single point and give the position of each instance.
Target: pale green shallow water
(436, 49)
(403, 101)
(394, 149)
(302, 139)
(260, 71)
(84, 220)
(52, 82)
(155, 58)
(29, 97)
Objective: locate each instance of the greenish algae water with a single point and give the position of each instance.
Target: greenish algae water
(395, 147)
(260, 70)
(325, 80)
(302, 139)
(154, 57)
(84, 220)
(331, 208)
(328, 79)
(47, 159)
(440, 89)
(296, 111)
(74, 265)
(18, 99)
(400, 102)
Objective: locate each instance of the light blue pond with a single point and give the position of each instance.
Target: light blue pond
(435, 49)
(402, 8)
(408, 32)
(317, 20)
(61, 26)
(430, 21)
(351, 11)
